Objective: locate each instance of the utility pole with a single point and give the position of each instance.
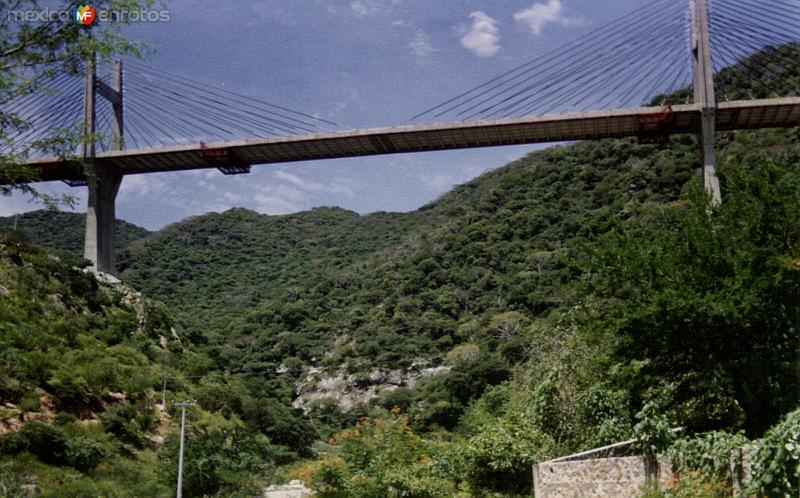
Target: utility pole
(704, 97)
(164, 394)
(183, 405)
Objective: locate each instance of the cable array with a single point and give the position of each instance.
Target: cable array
(161, 109)
(756, 42)
(624, 63)
(643, 58)
(49, 111)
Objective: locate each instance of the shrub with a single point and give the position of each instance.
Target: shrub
(64, 418)
(381, 458)
(30, 403)
(70, 390)
(499, 457)
(48, 443)
(120, 420)
(12, 443)
(776, 464)
(706, 455)
(84, 453)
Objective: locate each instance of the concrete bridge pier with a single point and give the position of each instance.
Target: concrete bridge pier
(101, 221)
(103, 183)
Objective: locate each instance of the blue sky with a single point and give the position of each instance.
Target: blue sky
(360, 63)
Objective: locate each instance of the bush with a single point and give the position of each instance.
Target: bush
(30, 403)
(225, 456)
(776, 464)
(47, 442)
(12, 443)
(70, 390)
(50, 445)
(64, 418)
(381, 458)
(706, 455)
(84, 453)
(120, 420)
(499, 458)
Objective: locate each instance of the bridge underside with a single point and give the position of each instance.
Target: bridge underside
(648, 123)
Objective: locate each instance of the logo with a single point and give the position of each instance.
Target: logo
(83, 14)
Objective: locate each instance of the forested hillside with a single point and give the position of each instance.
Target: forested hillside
(83, 370)
(391, 286)
(218, 267)
(63, 231)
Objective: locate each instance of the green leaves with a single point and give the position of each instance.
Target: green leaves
(776, 462)
(709, 300)
(708, 455)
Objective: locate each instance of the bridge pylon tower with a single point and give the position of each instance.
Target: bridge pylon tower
(103, 182)
(704, 97)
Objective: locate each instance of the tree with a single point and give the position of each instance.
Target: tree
(508, 324)
(711, 301)
(38, 43)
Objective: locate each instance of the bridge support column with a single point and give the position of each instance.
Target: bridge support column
(709, 156)
(101, 221)
(704, 97)
(103, 183)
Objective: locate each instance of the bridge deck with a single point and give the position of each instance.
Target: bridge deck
(738, 115)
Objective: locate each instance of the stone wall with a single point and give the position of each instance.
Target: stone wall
(599, 477)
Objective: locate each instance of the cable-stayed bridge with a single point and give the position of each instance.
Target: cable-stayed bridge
(671, 66)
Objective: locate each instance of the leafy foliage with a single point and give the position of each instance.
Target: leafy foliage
(76, 351)
(706, 456)
(381, 458)
(776, 463)
(671, 292)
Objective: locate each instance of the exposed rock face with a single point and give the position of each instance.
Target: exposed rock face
(135, 300)
(12, 416)
(350, 390)
(295, 489)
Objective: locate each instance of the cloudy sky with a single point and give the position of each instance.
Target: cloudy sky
(360, 63)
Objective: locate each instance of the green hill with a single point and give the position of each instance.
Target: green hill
(83, 370)
(390, 289)
(63, 231)
(217, 268)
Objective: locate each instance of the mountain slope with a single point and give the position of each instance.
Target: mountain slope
(64, 231)
(217, 267)
(84, 366)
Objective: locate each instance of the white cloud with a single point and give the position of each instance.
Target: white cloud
(540, 15)
(371, 8)
(438, 182)
(279, 200)
(421, 45)
(142, 186)
(360, 9)
(483, 37)
(311, 186)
